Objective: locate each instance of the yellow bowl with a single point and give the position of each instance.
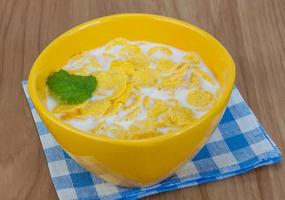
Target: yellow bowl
(132, 162)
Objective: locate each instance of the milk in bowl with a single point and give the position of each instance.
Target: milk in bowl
(132, 90)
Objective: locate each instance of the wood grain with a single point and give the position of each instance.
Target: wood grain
(253, 31)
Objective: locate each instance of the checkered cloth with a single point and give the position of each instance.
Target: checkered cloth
(238, 145)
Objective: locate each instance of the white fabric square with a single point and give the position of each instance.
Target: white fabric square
(25, 87)
(247, 123)
(48, 141)
(67, 194)
(186, 170)
(105, 189)
(216, 136)
(36, 116)
(235, 98)
(225, 160)
(261, 147)
(58, 168)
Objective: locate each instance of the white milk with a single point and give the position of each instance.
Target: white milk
(179, 94)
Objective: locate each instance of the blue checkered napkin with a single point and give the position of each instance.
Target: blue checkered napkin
(238, 145)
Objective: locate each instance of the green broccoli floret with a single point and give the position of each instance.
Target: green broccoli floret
(69, 88)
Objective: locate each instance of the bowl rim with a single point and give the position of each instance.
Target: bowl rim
(146, 141)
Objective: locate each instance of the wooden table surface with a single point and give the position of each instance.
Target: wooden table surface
(253, 31)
